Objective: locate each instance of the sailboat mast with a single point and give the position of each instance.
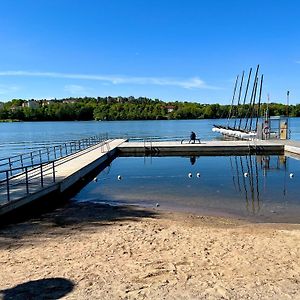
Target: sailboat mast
(259, 100)
(232, 101)
(239, 98)
(251, 99)
(245, 96)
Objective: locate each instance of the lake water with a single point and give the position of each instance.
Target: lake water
(255, 187)
(20, 137)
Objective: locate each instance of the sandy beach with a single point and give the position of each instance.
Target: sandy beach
(92, 251)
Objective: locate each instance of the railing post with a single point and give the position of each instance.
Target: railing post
(48, 154)
(21, 160)
(42, 179)
(66, 147)
(7, 186)
(40, 154)
(26, 178)
(60, 149)
(10, 165)
(31, 158)
(53, 169)
(54, 149)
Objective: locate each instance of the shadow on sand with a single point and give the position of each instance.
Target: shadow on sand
(49, 288)
(72, 217)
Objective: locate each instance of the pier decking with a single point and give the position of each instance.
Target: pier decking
(68, 171)
(203, 148)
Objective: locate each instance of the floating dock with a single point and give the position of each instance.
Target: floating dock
(202, 148)
(65, 173)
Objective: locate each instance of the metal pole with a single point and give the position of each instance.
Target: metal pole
(53, 168)
(40, 154)
(26, 178)
(254, 98)
(259, 100)
(21, 160)
(239, 98)
(7, 186)
(245, 96)
(54, 149)
(42, 179)
(287, 103)
(48, 154)
(10, 165)
(251, 99)
(31, 158)
(231, 107)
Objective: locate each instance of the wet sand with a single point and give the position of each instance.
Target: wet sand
(93, 251)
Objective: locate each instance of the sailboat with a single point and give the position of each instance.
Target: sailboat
(240, 124)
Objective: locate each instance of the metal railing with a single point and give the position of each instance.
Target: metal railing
(18, 163)
(29, 180)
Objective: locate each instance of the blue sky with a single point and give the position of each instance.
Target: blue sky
(168, 49)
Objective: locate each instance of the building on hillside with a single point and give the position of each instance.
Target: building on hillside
(44, 102)
(31, 104)
(169, 108)
(1, 105)
(70, 101)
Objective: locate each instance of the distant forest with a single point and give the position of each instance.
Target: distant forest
(122, 108)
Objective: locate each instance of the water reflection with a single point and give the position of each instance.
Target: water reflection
(249, 174)
(257, 186)
(193, 160)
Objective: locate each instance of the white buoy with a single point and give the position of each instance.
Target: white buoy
(119, 177)
(190, 175)
(95, 179)
(246, 174)
(157, 204)
(198, 175)
(291, 175)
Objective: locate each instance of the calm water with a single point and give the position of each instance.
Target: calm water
(21, 137)
(266, 193)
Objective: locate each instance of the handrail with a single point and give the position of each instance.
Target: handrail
(49, 153)
(37, 176)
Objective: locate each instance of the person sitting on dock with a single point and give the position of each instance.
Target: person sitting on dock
(192, 137)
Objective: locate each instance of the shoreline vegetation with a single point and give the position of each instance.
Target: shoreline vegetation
(126, 108)
(137, 253)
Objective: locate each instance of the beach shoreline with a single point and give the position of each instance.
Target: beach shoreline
(128, 252)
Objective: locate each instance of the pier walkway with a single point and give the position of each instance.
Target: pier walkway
(58, 175)
(204, 148)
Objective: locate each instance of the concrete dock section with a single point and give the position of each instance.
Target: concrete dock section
(67, 172)
(202, 148)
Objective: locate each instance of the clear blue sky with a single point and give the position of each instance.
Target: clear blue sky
(169, 49)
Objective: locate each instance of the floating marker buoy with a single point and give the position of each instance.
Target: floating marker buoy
(246, 174)
(198, 175)
(119, 177)
(291, 175)
(95, 179)
(190, 175)
(157, 204)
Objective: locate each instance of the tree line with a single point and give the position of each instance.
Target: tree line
(122, 108)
